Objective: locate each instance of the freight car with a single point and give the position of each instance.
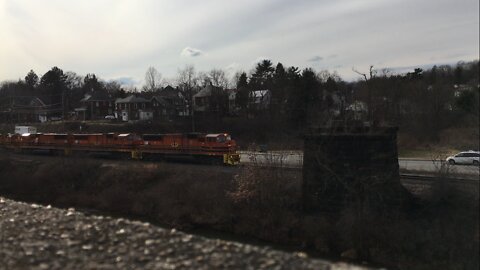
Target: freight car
(213, 148)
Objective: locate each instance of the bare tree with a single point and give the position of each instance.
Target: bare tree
(187, 82)
(203, 79)
(218, 78)
(73, 80)
(324, 75)
(235, 77)
(153, 80)
(372, 73)
(187, 78)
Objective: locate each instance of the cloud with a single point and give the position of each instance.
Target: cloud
(315, 59)
(228, 32)
(191, 52)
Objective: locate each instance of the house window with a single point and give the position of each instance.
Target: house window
(97, 104)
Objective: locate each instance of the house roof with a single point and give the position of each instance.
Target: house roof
(207, 91)
(169, 92)
(132, 99)
(27, 102)
(160, 100)
(259, 93)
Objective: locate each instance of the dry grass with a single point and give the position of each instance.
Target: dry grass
(451, 141)
(439, 232)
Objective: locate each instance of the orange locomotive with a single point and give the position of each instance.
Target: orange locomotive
(216, 148)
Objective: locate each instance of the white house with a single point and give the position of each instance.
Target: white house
(260, 99)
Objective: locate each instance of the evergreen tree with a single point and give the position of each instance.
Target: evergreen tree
(31, 79)
(242, 91)
(458, 75)
(53, 86)
(279, 89)
(262, 77)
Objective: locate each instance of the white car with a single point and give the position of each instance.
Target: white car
(110, 117)
(468, 158)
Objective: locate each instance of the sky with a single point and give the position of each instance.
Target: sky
(120, 39)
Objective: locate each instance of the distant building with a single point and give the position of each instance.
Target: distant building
(133, 108)
(175, 101)
(27, 109)
(233, 108)
(162, 109)
(260, 100)
(210, 99)
(460, 88)
(95, 105)
(358, 110)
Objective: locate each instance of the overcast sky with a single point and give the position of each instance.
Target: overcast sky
(122, 38)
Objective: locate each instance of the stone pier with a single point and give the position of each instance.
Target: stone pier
(347, 164)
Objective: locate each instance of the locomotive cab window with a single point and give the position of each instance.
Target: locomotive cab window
(221, 139)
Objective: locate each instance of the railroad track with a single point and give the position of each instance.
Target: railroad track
(405, 177)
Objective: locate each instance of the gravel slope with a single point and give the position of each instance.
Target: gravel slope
(43, 237)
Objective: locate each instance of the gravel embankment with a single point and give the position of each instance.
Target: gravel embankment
(43, 237)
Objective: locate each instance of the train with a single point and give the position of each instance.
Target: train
(218, 148)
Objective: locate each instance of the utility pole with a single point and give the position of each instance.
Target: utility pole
(63, 104)
(192, 111)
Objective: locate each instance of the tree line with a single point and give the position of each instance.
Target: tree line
(421, 101)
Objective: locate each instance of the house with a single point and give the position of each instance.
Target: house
(358, 110)
(233, 108)
(95, 105)
(162, 109)
(210, 99)
(133, 108)
(41, 111)
(260, 100)
(461, 88)
(201, 100)
(175, 100)
(334, 104)
(28, 109)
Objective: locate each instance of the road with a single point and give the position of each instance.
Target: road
(295, 159)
